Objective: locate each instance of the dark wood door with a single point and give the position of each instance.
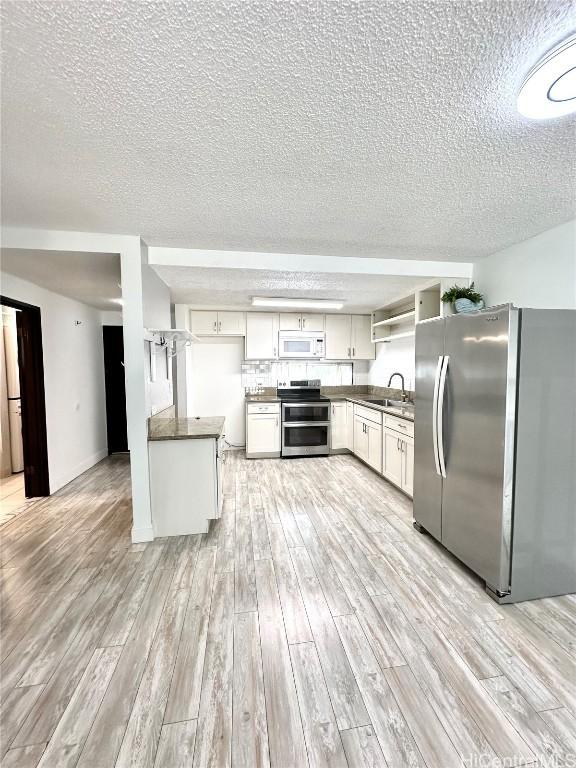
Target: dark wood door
(32, 399)
(115, 388)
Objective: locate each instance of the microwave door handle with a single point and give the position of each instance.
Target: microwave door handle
(442, 389)
(435, 414)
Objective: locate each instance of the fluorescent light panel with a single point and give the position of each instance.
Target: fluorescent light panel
(264, 301)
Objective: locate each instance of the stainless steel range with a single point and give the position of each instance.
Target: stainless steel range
(305, 419)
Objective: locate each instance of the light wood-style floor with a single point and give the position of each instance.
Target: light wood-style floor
(12, 498)
(311, 626)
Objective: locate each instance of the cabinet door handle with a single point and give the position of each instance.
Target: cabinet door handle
(303, 322)
(274, 351)
(353, 351)
(348, 351)
(215, 325)
(219, 326)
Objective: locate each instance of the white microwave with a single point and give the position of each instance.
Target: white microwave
(298, 344)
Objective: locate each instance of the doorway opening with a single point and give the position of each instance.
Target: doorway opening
(24, 438)
(115, 384)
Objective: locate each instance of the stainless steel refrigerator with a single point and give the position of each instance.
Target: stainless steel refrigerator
(495, 446)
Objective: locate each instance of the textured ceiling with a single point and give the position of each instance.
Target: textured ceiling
(349, 127)
(234, 288)
(92, 278)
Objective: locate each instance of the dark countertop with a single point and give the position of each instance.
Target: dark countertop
(402, 413)
(162, 428)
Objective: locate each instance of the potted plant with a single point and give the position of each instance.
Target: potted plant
(463, 298)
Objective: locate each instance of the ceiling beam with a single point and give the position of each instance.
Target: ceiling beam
(295, 262)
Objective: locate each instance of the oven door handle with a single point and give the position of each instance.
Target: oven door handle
(308, 404)
(305, 424)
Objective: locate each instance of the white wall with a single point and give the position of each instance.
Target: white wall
(157, 314)
(539, 272)
(155, 300)
(73, 380)
(183, 363)
(395, 356)
(111, 318)
(216, 384)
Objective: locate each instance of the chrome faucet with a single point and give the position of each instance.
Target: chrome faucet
(404, 393)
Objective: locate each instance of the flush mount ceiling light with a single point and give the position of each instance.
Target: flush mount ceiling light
(550, 87)
(261, 301)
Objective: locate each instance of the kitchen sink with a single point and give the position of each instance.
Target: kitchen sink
(385, 403)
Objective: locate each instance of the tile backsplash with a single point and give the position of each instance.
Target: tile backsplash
(267, 373)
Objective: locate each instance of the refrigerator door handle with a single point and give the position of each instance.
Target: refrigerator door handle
(435, 413)
(440, 426)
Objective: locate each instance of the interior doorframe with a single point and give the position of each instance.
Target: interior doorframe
(33, 399)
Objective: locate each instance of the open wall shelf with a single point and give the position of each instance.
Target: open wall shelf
(398, 320)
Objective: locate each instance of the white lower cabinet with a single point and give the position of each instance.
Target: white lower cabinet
(398, 459)
(368, 441)
(338, 426)
(408, 466)
(262, 430)
(392, 465)
(374, 446)
(360, 438)
(350, 426)
(185, 485)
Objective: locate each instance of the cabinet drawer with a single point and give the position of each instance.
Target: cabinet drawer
(368, 413)
(400, 425)
(263, 407)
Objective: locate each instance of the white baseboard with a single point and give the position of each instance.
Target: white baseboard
(60, 482)
(140, 535)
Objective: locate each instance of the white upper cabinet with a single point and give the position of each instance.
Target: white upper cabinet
(262, 335)
(296, 321)
(290, 321)
(213, 323)
(338, 329)
(348, 337)
(231, 323)
(203, 323)
(361, 338)
(311, 322)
